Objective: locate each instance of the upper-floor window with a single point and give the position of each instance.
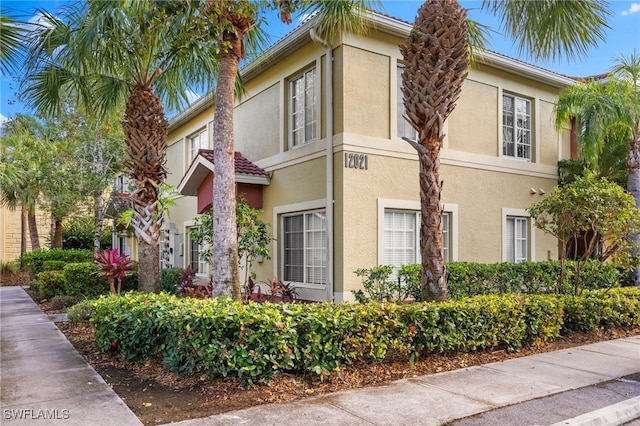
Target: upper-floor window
(405, 130)
(195, 142)
(123, 184)
(305, 247)
(303, 106)
(516, 127)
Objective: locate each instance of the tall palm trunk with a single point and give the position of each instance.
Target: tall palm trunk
(435, 55)
(226, 276)
(57, 234)
(146, 129)
(33, 228)
(633, 186)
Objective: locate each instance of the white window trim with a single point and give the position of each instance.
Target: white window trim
(391, 204)
(289, 99)
(187, 248)
(291, 209)
(507, 212)
(535, 126)
(202, 131)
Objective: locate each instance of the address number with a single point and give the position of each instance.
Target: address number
(356, 161)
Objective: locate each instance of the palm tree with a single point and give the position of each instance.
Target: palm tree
(137, 54)
(606, 113)
(233, 21)
(435, 55)
(10, 43)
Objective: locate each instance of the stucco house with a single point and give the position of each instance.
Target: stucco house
(319, 141)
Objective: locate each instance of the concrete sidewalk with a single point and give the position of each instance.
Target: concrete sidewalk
(42, 376)
(43, 379)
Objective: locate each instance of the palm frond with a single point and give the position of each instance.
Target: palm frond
(551, 29)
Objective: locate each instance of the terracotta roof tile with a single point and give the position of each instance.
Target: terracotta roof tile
(242, 165)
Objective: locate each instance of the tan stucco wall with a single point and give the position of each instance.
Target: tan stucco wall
(10, 233)
(257, 124)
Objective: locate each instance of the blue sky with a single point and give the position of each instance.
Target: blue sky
(622, 38)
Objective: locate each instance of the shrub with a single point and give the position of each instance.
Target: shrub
(34, 260)
(254, 341)
(170, 280)
(77, 233)
(82, 311)
(81, 279)
(10, 267)
(64, 302)
(113, 266)
(53, 265)
(50, 283)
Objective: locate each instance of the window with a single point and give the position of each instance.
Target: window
(196, 142)
(405, 130)
(402, 237)
(197, 265)
(305, 247)
(303, 108)
(516, 127)
(122, 246)
(517, 241)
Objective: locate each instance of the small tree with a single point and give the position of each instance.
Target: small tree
(592, 213)
(253, 237)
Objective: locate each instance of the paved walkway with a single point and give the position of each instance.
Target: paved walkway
(43, 377)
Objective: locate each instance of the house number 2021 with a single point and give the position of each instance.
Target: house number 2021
(356, 161)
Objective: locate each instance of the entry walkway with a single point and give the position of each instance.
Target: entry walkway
(43, 380)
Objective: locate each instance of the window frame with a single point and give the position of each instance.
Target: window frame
(451, 235)
(292, 111)
(201, 135)
(306, 249)
(203, 267)
(517, 215)
(402, 124)
(515, 129)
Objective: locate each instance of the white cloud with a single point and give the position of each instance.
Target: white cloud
(635, 8)
(3, 120)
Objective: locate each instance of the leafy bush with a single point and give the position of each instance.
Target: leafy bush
(378, 285)
(63, 302)
(82, 311)
(81, 279)
(50, 283)
(77, 233)
(113, 266)
(53, 265)
(34, 260)
(170, 280)
(10, 267)
(254, 341)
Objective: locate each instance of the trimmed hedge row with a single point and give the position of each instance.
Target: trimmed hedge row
(35, 260)
(254, 341)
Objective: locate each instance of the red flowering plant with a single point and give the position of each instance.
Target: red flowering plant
(113, 266)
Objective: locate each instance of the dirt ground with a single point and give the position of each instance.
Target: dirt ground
(158, 396)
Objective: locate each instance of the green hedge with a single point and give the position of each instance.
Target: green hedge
(35, 260)
(254, 341)
(81, 279)
(471, 279)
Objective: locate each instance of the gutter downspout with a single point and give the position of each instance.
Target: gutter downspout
(329, 153)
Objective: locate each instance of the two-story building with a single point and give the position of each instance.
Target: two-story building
(319, 131)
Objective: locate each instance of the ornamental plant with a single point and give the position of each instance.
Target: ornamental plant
(113, 266)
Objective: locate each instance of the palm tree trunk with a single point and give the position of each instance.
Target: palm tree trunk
(57, 234)
(433, 279)
(23, 234)
(148, 267)
(226, 276)
(33, 229)
(146, 129)
(633, 186)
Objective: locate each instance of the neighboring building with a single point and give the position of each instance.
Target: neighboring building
(11, 232)
(359, 206)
